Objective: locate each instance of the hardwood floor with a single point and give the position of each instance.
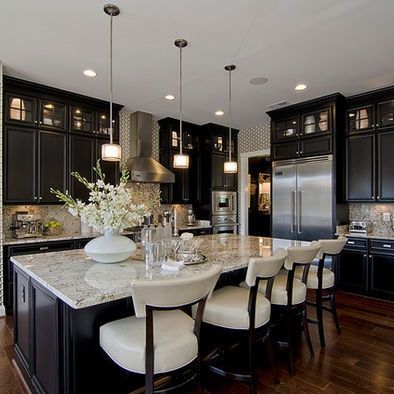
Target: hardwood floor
(360, 360)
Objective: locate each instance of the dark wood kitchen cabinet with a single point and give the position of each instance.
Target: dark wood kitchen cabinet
(311, 128)
(220, 180)
(366, 266)
(370, 143)
(38, 157)
(44, 131)
(184, 189)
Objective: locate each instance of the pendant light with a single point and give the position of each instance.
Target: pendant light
(111, 151)
(230, 166)
(180, 160)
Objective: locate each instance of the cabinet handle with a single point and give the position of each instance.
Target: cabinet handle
(23, 294)
(40, 122)
(296, 152)
(373, 198)
(370, 256)
(44, 248)
(35, 122)
(301, 152)
(386, 246)
(40, 198)
(350, 242)
(377, 197)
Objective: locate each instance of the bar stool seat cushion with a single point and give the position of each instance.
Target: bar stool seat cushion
(279, 292)
(228, 307)
(312, 281)
(175, 344)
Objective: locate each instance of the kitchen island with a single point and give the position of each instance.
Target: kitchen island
(62, 298)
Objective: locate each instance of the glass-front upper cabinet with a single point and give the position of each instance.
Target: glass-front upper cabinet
(53, 115)
(21, 109)
(360, 119)
(187, 142)
(317, 122)
(286, 129)
(82, 120)
(103, 121)
(385, 112)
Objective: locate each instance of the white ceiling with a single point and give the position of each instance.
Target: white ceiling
(331, 45)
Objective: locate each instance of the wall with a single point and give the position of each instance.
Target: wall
(250, 140)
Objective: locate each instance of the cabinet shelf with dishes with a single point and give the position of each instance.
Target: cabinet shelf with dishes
(43, 132)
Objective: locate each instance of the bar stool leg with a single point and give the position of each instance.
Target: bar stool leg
(271, 359)
(319, 314)
(334, 310)
(290, 343)
(306, 331)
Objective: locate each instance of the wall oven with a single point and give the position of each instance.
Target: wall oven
(224, 203)
(225, 224)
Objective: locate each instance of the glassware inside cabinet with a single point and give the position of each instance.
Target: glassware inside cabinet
(53, 114)
(316, 122)
(82, 120)
(386, 114)
(287, 128)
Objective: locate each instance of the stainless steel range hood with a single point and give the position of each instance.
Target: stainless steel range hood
(144, 168)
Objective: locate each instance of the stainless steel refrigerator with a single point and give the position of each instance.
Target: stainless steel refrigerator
(304, 198)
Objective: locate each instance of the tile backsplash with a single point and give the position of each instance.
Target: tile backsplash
(373, 214)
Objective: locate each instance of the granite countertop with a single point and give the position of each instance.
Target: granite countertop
(49, 238)
(80, 282)
(371, 235)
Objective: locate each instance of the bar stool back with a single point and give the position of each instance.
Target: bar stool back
(160, 338)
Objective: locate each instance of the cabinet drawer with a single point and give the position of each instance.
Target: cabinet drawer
(356, 243)
(41, 248)
(378, 244)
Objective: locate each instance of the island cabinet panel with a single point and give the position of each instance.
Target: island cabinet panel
(45, 343)
(20, 175)
(52, 165)
(352, 271)
(22, 318)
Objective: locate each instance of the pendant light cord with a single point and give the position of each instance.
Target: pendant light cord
(229, 114)
(111, 77)
(180, 100)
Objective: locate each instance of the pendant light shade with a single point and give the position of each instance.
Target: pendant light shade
(230, 166)
(180, 160)
(111, 151)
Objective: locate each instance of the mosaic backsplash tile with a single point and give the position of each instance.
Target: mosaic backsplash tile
(373, 214)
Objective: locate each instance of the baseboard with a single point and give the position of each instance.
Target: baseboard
(2, 310)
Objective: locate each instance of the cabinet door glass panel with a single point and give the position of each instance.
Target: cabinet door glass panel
(218, 143)
(287, 128)
(187, 139)
(360, 119)
(82, 120)
(53, 115)
(317, 122)
(20, 109)
(386, 114)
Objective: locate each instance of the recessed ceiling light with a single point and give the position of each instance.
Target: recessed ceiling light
(300, 86)
(219, 113)
(169, 97)
(89, 73)
(258, 80)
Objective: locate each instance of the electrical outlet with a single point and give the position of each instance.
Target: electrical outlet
(386, 216)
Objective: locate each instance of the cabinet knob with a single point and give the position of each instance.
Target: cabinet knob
(35, 122)
(40, 122)
(296, 152)
(301, 152)
(40, 198)
(373, 198)
(377, 197)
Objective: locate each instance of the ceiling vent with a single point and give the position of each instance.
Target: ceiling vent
(277, 105)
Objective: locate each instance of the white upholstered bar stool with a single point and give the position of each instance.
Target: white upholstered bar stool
(160, 338)
(322, 279)
(289, 293)
(238, 310)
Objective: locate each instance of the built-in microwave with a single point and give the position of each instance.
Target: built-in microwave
(224, 203)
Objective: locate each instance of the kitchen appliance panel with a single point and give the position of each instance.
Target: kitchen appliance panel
(314, 200)
(224, 203)
(284, 188)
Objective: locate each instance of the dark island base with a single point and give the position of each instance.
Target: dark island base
(57, 347)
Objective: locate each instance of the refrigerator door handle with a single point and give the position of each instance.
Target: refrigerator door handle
(299, 213)
(293, 214)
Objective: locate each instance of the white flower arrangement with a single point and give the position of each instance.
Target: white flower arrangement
(109, 207)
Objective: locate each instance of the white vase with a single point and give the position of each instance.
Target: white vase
(110, 247)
